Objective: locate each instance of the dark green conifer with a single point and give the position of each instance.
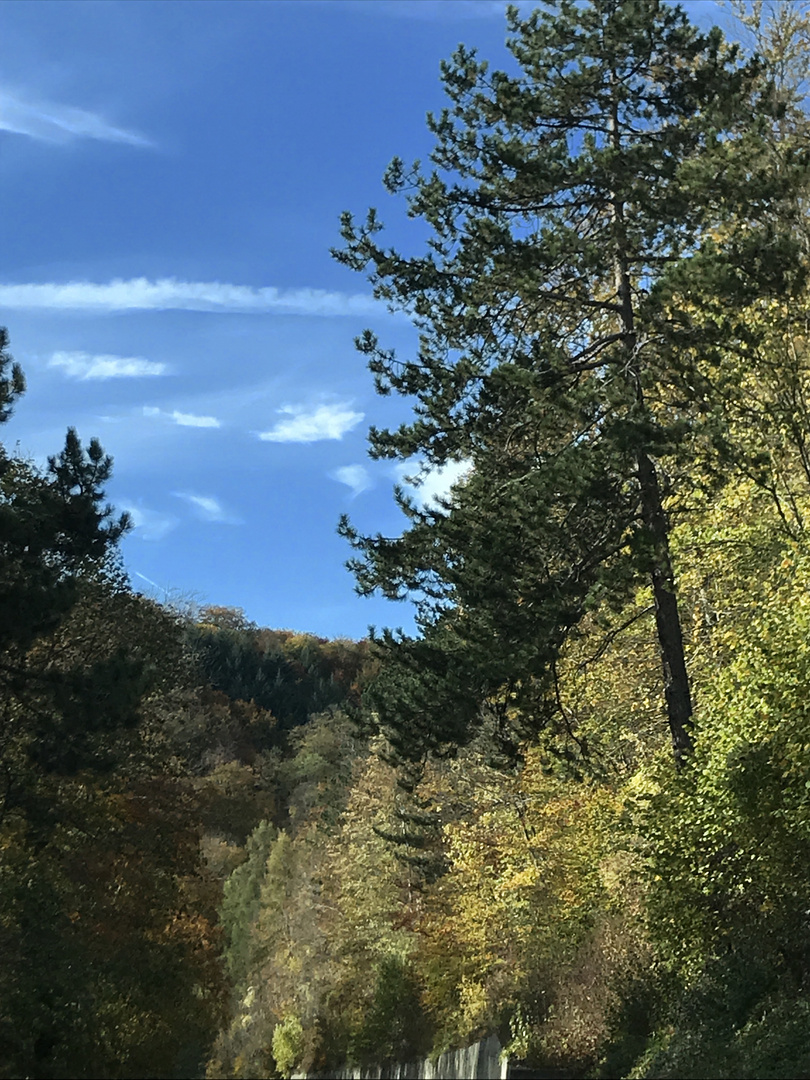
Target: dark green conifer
(597, 218)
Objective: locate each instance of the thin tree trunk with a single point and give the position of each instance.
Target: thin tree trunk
(667, 616)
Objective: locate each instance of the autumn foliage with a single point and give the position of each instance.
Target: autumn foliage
(234, 851)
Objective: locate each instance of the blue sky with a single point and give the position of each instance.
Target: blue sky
(172, 175)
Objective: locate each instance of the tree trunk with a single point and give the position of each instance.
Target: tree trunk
(667, 616)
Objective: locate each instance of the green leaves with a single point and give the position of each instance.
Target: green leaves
(240, 902)
(599, 217)
(108, 959)
(12, 380)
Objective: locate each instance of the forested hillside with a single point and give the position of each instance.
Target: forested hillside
(572, 809)
(141, 746)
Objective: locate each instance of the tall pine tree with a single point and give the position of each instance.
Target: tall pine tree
(597, 219)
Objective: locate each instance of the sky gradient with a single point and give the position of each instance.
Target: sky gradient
(172, 175)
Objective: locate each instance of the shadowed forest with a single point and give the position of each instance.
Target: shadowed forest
(573, 809)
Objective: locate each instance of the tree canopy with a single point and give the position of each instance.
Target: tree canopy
(599, 218)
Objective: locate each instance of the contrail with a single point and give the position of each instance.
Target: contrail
(149, 581)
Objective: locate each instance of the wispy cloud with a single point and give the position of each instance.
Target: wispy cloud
(355, 477)
(166, 294)
(181, 418)
(306, 425)
(208, 508)
(82, 365)
(430, 486)
(150, 524)
(50, 122)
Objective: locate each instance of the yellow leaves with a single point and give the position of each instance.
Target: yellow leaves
(474, 1003)
(524, 869)
(643, 784)
(527, 878)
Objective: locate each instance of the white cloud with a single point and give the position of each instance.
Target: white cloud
(311, 425)
(181, 418)
(81, 365)
(355, 477)
(50, 122)
(208, 508)
(433, 484)
(169, 294)
(150, 524)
